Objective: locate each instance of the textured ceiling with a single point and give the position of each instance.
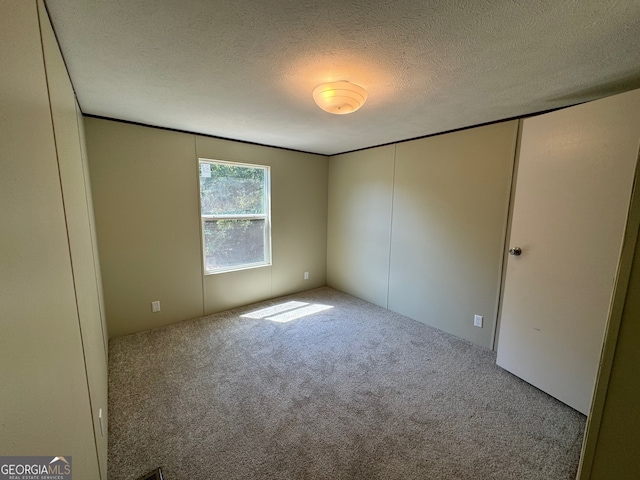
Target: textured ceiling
(245, 69)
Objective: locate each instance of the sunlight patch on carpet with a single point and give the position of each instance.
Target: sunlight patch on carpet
(286, 312)
(266, 312)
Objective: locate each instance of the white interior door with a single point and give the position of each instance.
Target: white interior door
(573, 187)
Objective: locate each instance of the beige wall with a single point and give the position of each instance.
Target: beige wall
(359, 223)
(145, 192)
(52, 357)
(146, 208)
(419, 227)
(299, 215)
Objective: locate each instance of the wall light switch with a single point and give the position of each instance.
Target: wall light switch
(306, 275)
(477, 320)
(155, 306)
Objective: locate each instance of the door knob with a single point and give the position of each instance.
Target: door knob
(515, 251)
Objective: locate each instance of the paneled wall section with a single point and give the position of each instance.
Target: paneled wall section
(419, 227)
(52, 350)
(145, 192)
(359, 223)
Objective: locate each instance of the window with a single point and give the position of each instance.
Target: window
(236, 223)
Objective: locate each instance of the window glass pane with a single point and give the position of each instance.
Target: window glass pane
(231, 189)
(233, 242)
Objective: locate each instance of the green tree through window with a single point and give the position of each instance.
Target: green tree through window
(234, 200)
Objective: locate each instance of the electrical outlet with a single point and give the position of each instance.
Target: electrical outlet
(477, 321)
(155, 306)
(306, 275)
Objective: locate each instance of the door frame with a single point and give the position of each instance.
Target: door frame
(612, 329)
(507, 237)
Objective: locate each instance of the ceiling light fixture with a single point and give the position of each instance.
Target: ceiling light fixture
(340, 97)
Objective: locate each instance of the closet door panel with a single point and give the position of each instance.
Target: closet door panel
(575, 175)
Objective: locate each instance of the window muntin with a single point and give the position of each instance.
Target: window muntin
(236, 226)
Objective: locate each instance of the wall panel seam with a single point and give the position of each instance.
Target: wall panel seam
(393, 191)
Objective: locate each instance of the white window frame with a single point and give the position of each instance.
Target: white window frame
(212, 218)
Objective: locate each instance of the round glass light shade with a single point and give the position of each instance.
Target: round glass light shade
(339, 97)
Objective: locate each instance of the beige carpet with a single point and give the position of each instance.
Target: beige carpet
(348, 392)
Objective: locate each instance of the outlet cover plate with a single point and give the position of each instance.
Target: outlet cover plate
(477, 321)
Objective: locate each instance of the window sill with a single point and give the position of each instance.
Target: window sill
(236, 269)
